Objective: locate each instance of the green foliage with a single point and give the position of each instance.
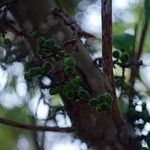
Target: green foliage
(147, 9)
(124, 42)
(119, 27)
(9, 135)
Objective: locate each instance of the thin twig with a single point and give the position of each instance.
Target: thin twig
(137, 54)
(35, 127)
(74, 27)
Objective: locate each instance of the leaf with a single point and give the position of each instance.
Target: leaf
(124, 42)
(147, 9)
(120, 27)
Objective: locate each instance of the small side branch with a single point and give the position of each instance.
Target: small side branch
(73, 26)
(35, 127)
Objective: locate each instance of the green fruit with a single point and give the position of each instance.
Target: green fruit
(39, 51)
(103, 106)
(49, 43)
(83, 94)
(77, 81)
(40, 41)
(101, 98)
(108, 98)
(7, 42)
(116, 54)
(55, 50)
(70, 94)
(124, 57)
(69, 61)
(65, 88)
(69, 70)
(46, 66)
(93, 102)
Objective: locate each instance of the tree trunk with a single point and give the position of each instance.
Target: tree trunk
(98, 130)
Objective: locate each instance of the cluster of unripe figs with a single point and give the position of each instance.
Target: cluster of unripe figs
(72, 88)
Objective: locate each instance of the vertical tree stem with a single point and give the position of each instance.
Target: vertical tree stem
(107, 59)
(107, 43)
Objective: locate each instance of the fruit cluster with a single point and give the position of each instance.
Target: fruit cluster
(102, 103)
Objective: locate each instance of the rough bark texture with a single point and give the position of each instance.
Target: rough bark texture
(97, 129)
(108, 67)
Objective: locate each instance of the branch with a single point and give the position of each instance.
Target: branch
(137, 54)
(107, 64)
(35, 127)
(73, 26)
